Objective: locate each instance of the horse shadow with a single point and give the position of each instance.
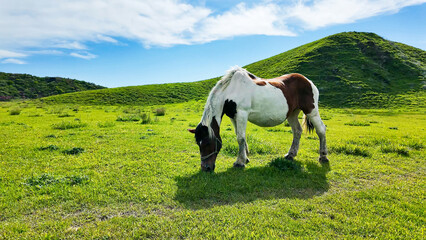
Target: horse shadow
(207, 190)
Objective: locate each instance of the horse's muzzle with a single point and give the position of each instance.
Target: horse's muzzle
(207, 167)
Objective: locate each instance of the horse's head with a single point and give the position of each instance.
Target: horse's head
(209, 143)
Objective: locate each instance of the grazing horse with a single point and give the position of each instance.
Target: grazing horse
(265, 102)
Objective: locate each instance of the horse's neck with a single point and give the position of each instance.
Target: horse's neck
(213, 110)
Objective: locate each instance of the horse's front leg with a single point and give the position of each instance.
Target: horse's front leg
(234, 123)
(240, 125)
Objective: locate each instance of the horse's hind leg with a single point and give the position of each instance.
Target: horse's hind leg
(297, 132)
(315, 119)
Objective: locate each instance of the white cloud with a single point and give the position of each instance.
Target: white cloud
(86, 56)
(13, 60)
(330, 12)
(243, 20)
(102, 38)
(69, 45)
(45, 52)
(10, 54)
(71, 25)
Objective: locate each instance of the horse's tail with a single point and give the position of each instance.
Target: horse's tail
(307, 124)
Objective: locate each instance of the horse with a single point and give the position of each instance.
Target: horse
(244, 97)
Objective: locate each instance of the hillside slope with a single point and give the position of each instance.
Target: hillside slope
(25, 86)
(139, 95)
(350, 69)
(353, 69)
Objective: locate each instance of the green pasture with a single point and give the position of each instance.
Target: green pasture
(116, 172)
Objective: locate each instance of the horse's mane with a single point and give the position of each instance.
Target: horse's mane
(221, 85)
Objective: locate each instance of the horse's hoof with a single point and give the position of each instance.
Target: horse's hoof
(239, 165)
(288, 157)
(247, 160)
(323, 159)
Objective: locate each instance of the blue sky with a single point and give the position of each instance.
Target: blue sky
(117, 43)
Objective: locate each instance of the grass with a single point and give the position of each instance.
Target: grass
(357, 123)
(395, 149)
(141, 181)
(106, 124)
(160, 112)
(15, 111)
(285, 165)
(50, 148)
(64, 115)
(46, 179)
(351, 150)
(146, 118)
(64, 125)
(74, 151)
(129, 118)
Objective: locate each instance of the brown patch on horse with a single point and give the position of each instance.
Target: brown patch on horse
(297, 90)
(259, 82)
(256, 80)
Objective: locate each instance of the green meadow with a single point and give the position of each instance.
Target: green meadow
(129, 172)
(126, 167)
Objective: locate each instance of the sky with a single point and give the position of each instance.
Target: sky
(117, 43)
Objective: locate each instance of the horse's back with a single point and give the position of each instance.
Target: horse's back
(298, 91)
(270, 101)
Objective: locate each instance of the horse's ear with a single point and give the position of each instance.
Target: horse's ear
(191, 130)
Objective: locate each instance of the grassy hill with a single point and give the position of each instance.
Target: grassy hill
(350, 69)
(25, 86)
(354, 69)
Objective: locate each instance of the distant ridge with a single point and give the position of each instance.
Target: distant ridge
(144, 95)
(351, 69)
(26, 86)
